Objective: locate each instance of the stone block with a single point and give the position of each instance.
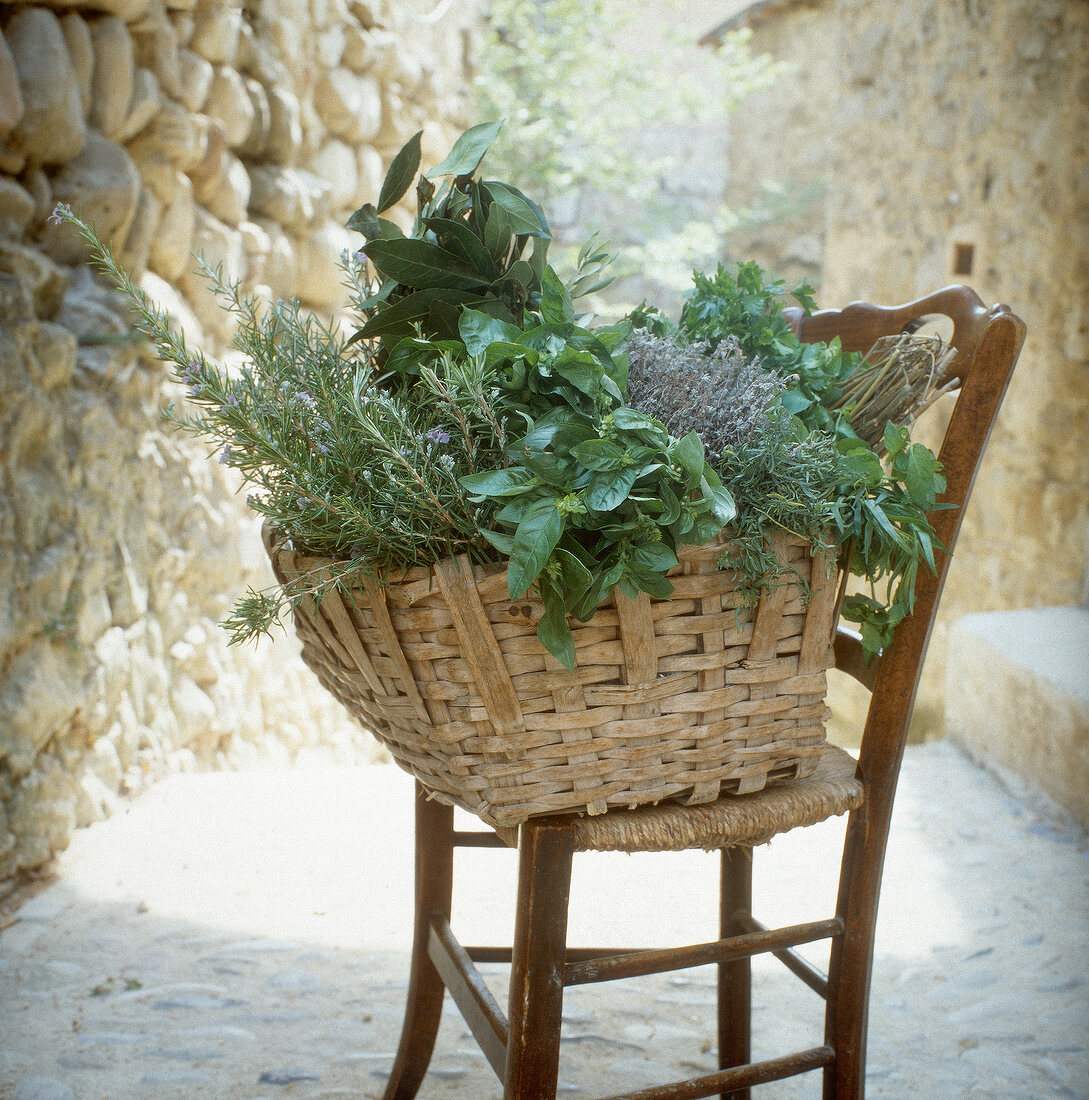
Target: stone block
(114, 73)
(336, 163)
(155, 41)
(104, 185)
(229, 102)
(256, 141)
(51, 129)
(174, 138)
(195, 75)
(145, 224)
(77, 37)
(294, 198)
(147, 100)
(226, 194)
(321, 278)
(216, 29)
(278, 267)
(11, 98)
(48, 352)
(170, 248)
(44, 282)
(349, 105)
(16, 209)
(1017, 696)
(285, 133)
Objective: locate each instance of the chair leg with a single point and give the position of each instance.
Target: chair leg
(734, 978)
(540, 943)
(851, 962)
(434, 887)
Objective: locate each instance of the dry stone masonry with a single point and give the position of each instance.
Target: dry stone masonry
(948, 143)
(243, 131)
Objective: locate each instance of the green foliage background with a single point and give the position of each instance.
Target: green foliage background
(578, 98)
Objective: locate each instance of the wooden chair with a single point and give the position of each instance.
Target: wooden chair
(524, 1048)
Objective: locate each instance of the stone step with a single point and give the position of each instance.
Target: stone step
(1017, 698)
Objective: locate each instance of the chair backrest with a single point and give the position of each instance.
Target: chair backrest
(987, 341)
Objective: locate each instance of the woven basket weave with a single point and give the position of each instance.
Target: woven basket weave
(686, 698)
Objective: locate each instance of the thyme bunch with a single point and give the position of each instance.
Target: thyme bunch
(725, 396)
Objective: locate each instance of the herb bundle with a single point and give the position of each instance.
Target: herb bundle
(473, 411)
(806, 469)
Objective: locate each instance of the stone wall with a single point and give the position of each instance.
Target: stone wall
(952, 140)
(780, 160)
(248, 133)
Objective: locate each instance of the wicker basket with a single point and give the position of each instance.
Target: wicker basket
(684, 698)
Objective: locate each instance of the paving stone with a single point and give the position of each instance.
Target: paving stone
(287, 1076)
(977, 987)
(42, 1088)
(176, 1077)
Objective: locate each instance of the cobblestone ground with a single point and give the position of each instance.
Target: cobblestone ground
(245, 935)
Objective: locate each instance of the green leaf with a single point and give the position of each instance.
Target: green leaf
(524, 215)
(380, 295)
(422, 265)
(402, 315)
(654, 584)
(552, 628)
(458, 238)
(478, 330)
(500, 351)
(689, 455)
(609, 490)
(401, 174)
(556, 305)
(577, 579)
(468, 151)
(503, 542)
(795, 401)
(409, 353)
(599, 454)
(581, 370)
(921, 475)
(365, 220)
(497, 232)
(552, 468)
(499, 483)
(520, 272)
(656, 557)
(534, 540)
(493, 307)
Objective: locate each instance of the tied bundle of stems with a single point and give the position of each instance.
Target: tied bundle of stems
(900, 378)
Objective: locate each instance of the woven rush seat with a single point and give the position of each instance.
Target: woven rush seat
(729, 822)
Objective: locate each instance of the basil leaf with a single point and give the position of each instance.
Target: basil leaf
(655, 557)
(599, 454)
(689, 455)
(609, 490)
(478, 330)
(499, 483)
(552, 628)
(503, 542)
(534, 540)
(556, 305)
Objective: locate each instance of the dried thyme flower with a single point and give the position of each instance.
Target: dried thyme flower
(727, 399)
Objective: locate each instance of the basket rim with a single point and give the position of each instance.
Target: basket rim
(277, 543)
